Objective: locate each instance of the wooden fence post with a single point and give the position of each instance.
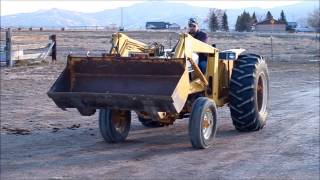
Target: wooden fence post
(54, 48)
(271, 43)
(8, 47)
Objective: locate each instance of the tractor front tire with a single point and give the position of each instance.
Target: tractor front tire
(249, 93)
(114, 125)
(203, 123)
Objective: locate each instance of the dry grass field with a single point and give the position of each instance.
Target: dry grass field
(40, 141)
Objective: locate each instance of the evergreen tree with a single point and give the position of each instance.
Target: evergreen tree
(247, 21)
(269, 15)
(254, 18)
(238, 24)
(244, 22)
(213, 22)
(225, 25)
(283, 17)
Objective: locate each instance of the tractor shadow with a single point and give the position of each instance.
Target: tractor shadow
(146, 143)
(227, 133)
(85, 145)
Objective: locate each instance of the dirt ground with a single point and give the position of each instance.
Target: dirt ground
(40, 141)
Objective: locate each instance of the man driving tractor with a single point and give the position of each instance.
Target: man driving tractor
(195, 32)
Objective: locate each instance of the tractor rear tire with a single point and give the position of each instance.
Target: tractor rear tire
(249, 93)
(150, 123)
(114, 125)
(203, 123)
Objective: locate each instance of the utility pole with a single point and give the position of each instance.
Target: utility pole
(272, 23)
(121, 17)
(121, 26)
(8, 47)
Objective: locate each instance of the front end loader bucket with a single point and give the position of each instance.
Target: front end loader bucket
(128, 83)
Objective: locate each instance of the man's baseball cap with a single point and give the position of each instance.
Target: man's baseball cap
(193, 21)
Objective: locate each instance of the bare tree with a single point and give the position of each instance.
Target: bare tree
(218, 13)
(260, 17)
(313, 19)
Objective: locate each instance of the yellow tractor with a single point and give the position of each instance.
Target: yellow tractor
(162, 85)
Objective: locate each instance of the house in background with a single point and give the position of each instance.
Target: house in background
(291, 26)
(174, 26)
(307, 29)
(270, 25)
(157, 25)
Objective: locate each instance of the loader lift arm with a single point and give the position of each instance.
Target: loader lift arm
(122, 45)
(187, 45)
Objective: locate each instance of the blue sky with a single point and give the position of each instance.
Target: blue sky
(22, 6)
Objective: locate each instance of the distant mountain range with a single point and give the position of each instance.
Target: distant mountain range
(135, 16)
